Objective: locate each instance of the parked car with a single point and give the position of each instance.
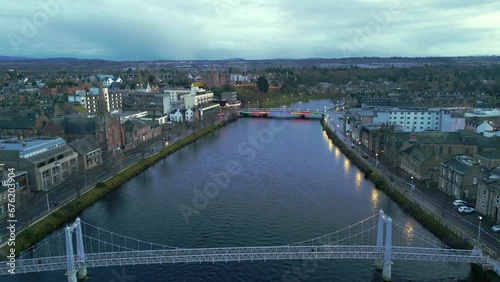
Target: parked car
(459, 203)
(353, 146)
(365, 155)
(496, 228)
(465, 209)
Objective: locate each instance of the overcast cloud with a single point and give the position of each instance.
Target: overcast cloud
(257, 29)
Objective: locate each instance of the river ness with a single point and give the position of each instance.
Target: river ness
(287, 183)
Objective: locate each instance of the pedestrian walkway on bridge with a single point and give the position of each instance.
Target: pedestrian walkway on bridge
(378, 237)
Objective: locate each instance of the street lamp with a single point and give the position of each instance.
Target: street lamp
(479, 229)
(46, 195)
(46, 189)
(359, 147)
(412, 187)
(376, 160)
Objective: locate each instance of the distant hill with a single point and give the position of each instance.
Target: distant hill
(9, 58)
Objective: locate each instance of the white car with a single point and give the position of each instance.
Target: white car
(496, 228)
(458, 203)
(465, 209)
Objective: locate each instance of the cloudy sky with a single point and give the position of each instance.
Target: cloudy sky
(251, 29)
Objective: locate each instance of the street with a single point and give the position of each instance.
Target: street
(434, 200)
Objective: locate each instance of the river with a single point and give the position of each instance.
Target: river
(280, 181)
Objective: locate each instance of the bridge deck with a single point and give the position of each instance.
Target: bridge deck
(238, 254)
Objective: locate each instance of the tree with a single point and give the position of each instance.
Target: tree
(262, 84)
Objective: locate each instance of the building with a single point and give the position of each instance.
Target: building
(176, 98)
(20, 182)
(420, 163)
(153, 103)
(177, 115)
(21, 127)
(489, 158)
(108, 82)
(48, 161)
(214, 79)
(88, 99)
(108, 79)
(416, 119)
(89, 154)
(488, 197)
(137, 131)
(443, 146)
(197, 98)
(189, 115)
(239, 79)
(442, 82)
(459, 177)
(229, 96)
(478, 126)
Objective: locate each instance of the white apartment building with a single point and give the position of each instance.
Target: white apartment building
(239, 78)
(420, 119)
(89, 99)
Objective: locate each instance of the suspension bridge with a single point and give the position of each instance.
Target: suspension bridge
(378, 238)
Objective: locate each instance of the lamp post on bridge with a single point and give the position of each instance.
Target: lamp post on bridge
(376, 160)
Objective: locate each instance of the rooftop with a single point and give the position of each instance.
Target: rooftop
(31, 147)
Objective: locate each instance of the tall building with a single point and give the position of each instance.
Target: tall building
(48, 161)
(108, 127)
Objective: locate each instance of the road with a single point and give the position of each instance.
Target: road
(433, 199)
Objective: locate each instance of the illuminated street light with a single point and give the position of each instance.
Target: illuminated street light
(412, 186)
(479, 229)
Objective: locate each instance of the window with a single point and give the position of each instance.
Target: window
(474, 180)
(497, 199)
(449, 150)
(457, 178)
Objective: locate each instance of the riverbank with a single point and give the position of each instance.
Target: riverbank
(34, 233)
(447, 235)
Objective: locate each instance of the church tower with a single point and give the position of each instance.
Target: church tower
(138, 77)
(102, 119)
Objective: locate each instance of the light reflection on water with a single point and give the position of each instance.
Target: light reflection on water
(347, 166)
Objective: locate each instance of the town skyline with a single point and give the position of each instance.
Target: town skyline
(215, 30)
